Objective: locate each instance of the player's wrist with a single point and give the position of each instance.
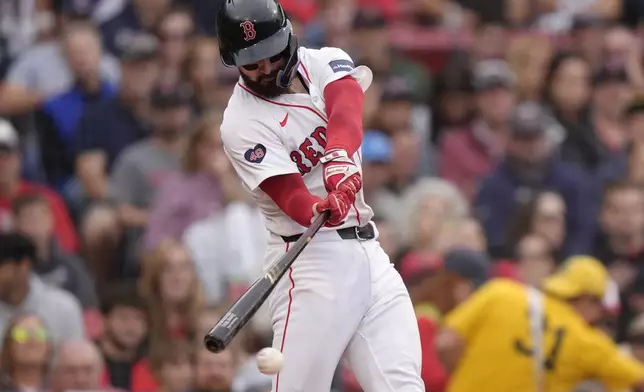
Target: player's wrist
(335, 154)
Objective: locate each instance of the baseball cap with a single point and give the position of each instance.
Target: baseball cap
(529, 118)
(179, 95)
(579, 275)
(415, 266)
(468, 264)
(14, 247)
(8, 135)
(488, 74)
(139, 47)
(397, 89)
(376, 147)
(369, 18)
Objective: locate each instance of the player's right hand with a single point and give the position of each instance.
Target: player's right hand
(338, 203)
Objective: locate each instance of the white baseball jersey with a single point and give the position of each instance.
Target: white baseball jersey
(287, 134)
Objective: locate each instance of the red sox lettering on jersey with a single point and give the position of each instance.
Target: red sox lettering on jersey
(312, 149)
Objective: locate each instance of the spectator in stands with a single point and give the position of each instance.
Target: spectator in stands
(531, 165)
(396, 104)
(528, 57)
(370, 46)
(611, 95)
(11, 186)
(468, 155)
(22, 291)
(42, 72)
(143, 167)
(33, 219)
(436, 285)
(107, 128)
(429, 205)
(172, 292)
(534, 260)
(27, 347)
(621, 222)
(172, 364)
(377, 153)
(461, 232)
(403, 179)
(618, 166)
(205, 185)
(567, 92)
(57, 118)
(77, 365)
(544, 215)
(371, 104)
(199, 69)
(587, 31)
(138, 16)
(125, 332)
(174, 30)
(214, 372)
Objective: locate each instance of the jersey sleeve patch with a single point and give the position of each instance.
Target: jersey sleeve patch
(255, 154)
(341, 65)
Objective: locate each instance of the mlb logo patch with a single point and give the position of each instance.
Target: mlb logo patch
(255, 154)
(341, 65)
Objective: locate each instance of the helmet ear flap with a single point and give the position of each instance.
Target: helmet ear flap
(227, 59)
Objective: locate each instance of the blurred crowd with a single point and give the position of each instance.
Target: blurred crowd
(501, 137)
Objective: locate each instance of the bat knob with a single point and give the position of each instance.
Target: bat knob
(213, 344)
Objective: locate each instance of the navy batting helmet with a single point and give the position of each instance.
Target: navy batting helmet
(252, 30)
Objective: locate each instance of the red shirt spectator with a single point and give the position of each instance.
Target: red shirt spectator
(432, 372)
(63, 227)
(11, 186)
(142, 379)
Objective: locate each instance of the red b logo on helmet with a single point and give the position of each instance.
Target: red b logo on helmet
(249, 30)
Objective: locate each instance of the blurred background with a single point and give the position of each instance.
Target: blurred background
(506, 132)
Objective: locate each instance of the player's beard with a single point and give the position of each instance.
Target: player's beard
(266, 86)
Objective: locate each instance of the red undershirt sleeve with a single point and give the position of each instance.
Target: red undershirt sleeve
(290, 194)
(344, 99)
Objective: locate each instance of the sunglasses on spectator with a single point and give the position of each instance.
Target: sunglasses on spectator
(22, 335)
(255, 66)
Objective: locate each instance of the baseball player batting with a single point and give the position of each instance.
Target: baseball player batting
(293, 130)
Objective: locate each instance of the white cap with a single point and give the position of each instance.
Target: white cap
(8, 134)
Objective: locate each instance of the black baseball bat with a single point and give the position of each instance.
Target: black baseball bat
(247, 305)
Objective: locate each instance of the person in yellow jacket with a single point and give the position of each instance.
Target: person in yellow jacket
(488, 342)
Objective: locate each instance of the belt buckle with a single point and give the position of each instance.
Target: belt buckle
(358, 237)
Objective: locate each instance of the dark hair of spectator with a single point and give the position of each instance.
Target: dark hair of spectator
(16, 247)
(171, 351)
(209, 122)
(6, 357)
(556, 63)
(79, 26)
(522, 223)
(20, 203)
(123, 293)
(620, 185)
(174, 10)
(151, 270)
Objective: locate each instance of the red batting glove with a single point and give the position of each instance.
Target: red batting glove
(338, 203)
(340, 173)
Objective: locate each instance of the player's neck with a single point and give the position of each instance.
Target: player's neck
(297, 87)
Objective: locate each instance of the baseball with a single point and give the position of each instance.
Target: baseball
(270, 360)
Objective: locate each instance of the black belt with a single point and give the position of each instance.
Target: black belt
(363, 233)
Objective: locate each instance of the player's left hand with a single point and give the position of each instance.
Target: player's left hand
(341, 174)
